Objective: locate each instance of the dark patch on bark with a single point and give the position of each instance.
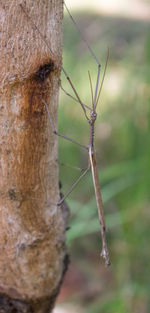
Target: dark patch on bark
(60, 185)
(57, 290)
(68, 228)
(12, 194)
(66, 265)
(43, 305)
(9, 305)
(43, 72)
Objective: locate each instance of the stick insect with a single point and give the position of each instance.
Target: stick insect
(90, 115)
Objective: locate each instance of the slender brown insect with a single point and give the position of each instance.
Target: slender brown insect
(90, 115)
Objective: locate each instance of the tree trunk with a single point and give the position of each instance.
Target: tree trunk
(33, 256)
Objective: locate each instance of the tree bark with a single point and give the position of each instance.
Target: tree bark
(33, 256)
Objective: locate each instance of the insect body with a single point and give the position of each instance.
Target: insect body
(93, 165)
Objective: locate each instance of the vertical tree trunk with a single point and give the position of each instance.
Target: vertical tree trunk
(32, 228)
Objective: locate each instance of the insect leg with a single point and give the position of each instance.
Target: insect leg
(72, 187)
(57, 133)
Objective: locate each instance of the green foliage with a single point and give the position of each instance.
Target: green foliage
(123, 153)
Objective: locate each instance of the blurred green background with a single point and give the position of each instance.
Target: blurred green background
(122, 140)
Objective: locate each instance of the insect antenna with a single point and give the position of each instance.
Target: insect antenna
(101, 85)
(83, 38)
(92, 53)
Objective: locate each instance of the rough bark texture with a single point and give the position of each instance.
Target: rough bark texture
(32, 229)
